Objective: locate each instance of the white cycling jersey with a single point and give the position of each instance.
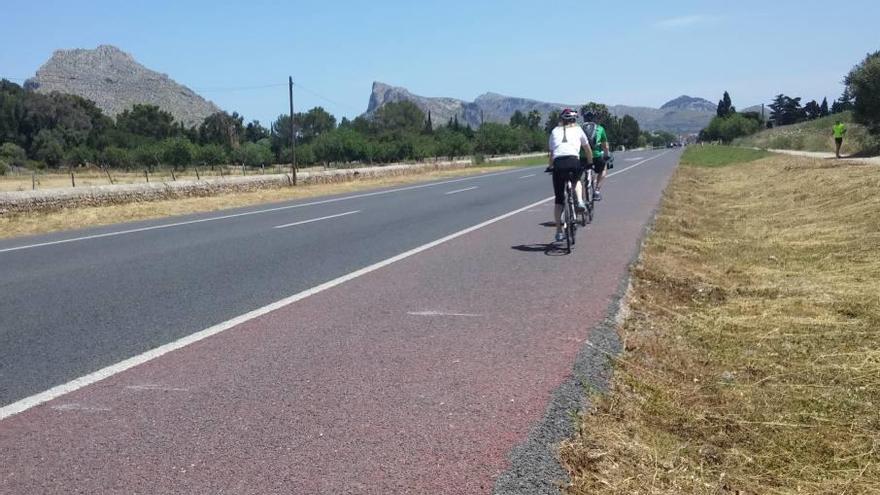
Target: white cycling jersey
(567, 140)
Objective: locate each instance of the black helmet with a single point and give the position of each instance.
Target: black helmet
(588, 114)
(568, 116)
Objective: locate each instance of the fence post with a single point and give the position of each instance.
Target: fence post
(33, 180)
(146, 175)
(107, 171)
(72, 180)
(242, 169)
(173, 177)
(197, 174)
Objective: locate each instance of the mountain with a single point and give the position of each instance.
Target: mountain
(688, 103)
(682, 115)
(115, 81)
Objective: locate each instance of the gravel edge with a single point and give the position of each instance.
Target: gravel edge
(534, 464)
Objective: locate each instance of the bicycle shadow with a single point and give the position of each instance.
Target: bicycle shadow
(551, 249)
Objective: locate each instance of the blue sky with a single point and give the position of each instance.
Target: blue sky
(635, 53)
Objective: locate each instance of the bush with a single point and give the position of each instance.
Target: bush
(13, 155)
(210, 154)
(4, 167)
(177, 152)
(115, 157)
(253, 154)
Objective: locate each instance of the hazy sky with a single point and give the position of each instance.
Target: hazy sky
(635, 53)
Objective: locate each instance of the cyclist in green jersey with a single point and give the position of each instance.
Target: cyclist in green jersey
(599, 142)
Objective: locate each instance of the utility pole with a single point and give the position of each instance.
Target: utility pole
(292, 133)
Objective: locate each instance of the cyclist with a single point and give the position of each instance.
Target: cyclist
(566, 142)
(599, 143)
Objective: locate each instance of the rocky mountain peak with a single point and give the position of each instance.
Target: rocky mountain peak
(115, 81)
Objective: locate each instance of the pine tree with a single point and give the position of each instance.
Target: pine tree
(429, 126)
(823, 108)
(725, 106)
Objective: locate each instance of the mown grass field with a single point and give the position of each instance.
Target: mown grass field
(815, 135)
(751, 360)
(13, 225)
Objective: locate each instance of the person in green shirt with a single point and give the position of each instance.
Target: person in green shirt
(839, 130)
(599, 142)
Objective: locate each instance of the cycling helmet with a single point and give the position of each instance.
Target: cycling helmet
(568, 116)
(588, 114)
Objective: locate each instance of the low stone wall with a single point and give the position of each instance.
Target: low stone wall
(56, 199)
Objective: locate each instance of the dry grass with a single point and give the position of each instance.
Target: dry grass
(38, 223)
(751, 361)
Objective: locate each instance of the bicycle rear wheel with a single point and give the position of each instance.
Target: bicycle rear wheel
(570, 226)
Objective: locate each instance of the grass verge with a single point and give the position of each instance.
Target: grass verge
(751, 361)
(14, 225)
(720, 156)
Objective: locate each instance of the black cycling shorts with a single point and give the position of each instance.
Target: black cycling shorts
(565, 168)
(599, 165)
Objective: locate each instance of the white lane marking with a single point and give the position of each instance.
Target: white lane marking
(461, 190)
(74, 406)
(439, 313)
(316, 219)
(527, 176)
(114, 369)
(635, 158)
(152, 386)
(247, 213)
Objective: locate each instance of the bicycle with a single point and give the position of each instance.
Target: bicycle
(589, 184)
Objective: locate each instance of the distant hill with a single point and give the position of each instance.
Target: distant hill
(115, 81)
(682, 115)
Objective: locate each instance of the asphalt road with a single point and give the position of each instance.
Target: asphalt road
(417, 377)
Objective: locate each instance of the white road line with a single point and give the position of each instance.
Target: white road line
(255, 212)
(154, 387)
(527, 176)
(439, 313)
(461, 190)
(316, 219)
(114, 369)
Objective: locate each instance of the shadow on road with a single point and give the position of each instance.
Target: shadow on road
(548, 249)
(548, 224)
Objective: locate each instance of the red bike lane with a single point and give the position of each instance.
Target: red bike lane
(416, 378)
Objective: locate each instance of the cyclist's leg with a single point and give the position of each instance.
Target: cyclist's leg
(578, 187)
(559, 177)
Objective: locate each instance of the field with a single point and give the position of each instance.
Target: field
(814, 135)
(751, 361)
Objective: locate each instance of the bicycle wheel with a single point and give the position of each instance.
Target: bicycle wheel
(567, 219)
(570, 226)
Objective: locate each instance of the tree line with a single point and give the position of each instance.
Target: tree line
(61, 130)
(861, 95)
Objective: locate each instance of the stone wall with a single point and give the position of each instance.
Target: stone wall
(57, 199)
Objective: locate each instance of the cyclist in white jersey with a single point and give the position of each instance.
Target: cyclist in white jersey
(566, 141)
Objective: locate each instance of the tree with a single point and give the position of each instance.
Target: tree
(210, 155)
(451, 144)
(552, 121)
(116, 157)
(496, 139)
(844, 103)
(725, 106)
(254, 132)
(223, 129)
(629, 132)
(146, 120)
(863, 83)
(786, 110)
(253, 154)
(13, 155)
(812, 110)
(533, 120)
(48, 147)
(518, 119)
(403, 116)
(429, 126)
(823, 108)
(314, 123)
(177, 152)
